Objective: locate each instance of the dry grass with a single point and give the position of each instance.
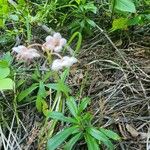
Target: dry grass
(118, 84)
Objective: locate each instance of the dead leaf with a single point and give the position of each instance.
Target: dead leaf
(132, 131)
(143, 135)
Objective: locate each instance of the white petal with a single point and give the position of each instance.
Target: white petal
(66, 61)
(49, 38)
(63, 42)
(22, 47)
(58, 49)
(35, 55)
(16, 49)
(32, 50)
(19, 49)
(57, 65)
(73, 60)
(57, 35)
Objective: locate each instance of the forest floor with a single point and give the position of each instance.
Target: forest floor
(115, 73)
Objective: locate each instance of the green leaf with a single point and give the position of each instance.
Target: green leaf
(52, 86)
(79, 36)
(39, 103)
(125, 5)
(91, 22)
(3, 64)
(121, 23)
(64, 75)
(110, 134)
(91, 142)
(59, 138)
(72, 106)
(101, 137)
(40, 96)
(90, 7)
(8, 58)
(83, 104)
(78, 1)
(4, 72)
(42, 91)
(26, 92)
(134, 21)
(69, 145)
(6, 84)
(61, 117)
(60, 86)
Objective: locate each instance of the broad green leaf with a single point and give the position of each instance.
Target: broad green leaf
(125, 5)
(69, 145)
(72, 106)
(7, 57)
(3, 64)
(121, 23)
(83, 104)
(110, 134)
(101, 137)
(6, 84)
(61, 117)
(91, 142)
(4, 72)
(59, 138)
(26, 92)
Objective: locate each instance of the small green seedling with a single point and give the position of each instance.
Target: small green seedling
(80, 127)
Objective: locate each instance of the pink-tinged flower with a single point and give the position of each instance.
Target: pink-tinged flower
(24, 53)
(66, 61)
(55, 42)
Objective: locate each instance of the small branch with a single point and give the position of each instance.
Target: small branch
(36, 44)
(56, 54)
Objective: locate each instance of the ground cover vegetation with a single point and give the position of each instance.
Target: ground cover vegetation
(75, 74)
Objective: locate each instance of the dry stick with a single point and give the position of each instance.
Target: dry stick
(51, 31)
(120, 54)
(114, 46)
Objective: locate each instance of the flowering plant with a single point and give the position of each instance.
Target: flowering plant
(53, 46)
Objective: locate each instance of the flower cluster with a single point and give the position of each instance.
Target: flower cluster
(24, 53)
(66, 61)
(54, 44)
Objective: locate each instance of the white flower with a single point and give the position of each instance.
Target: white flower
(55, 42)
(24, 53)
(66, 61)
(57, 65)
